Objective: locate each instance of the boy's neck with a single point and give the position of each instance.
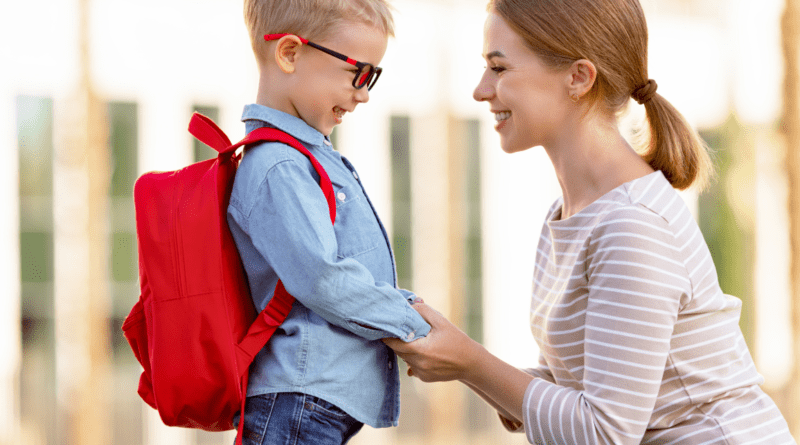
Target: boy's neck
(269, 97)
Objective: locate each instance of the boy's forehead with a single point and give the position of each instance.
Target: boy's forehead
(353, 29)
(358, 40)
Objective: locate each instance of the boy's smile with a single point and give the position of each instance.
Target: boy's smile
(339, 114)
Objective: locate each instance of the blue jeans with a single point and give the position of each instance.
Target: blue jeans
(295, 419)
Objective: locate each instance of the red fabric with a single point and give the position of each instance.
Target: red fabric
(195, 329)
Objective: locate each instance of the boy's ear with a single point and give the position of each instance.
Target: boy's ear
(287, 51)
(582, 75)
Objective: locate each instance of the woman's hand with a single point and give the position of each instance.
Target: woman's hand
(446, 353)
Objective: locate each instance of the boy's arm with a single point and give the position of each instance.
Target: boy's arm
(289, 224)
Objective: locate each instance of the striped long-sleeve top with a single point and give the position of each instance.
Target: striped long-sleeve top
(638, 344)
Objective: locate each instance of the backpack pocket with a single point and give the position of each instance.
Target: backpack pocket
(135, 330)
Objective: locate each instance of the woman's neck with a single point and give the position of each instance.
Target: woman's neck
(591, 160)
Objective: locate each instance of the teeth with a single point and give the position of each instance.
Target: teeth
(339, 112)
(502, 116)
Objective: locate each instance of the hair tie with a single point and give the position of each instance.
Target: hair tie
(644, 93)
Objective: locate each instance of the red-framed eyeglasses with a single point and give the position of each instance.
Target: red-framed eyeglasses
(367, 74)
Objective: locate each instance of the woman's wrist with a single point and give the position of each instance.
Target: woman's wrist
(474, 368)
(501, 382)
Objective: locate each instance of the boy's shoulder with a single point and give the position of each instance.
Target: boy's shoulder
(273, 159)
(261, 157)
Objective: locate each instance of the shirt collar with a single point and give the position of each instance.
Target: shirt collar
(255, 116)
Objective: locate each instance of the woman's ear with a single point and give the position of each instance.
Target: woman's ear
(287, 51)
(582, 75)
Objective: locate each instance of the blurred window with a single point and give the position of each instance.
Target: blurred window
(400, 146)
(465, 141)
(473, 267)
(37, 377)
(123, 144)
(731, 243)
(201, 150)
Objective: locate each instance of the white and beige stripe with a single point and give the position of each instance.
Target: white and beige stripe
(638, 344)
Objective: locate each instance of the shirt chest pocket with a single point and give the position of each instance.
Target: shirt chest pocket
(356, 228)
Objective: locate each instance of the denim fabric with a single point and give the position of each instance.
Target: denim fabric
(342, 276)
(295, 419)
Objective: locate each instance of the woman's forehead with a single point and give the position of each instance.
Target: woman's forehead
(499, 40)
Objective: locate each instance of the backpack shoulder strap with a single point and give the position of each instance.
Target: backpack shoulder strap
(207, 132)
(265, 134)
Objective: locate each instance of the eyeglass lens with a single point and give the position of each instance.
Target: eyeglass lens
(367, 77)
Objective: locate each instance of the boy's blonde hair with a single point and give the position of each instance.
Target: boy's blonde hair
(311, 19)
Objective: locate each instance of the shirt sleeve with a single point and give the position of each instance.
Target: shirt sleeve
(542, 371)
(636, 283)
(289, 225)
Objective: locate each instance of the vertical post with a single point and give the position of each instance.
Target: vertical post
(790, 28)
(81, 180)
(432, 253)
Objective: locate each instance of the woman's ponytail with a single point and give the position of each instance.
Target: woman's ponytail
(674, 147)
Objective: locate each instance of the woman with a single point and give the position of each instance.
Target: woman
(638, 343)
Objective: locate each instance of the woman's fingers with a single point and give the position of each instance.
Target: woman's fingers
(429, 314)
(395, 343)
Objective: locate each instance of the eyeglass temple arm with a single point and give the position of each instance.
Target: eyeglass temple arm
(339, 56)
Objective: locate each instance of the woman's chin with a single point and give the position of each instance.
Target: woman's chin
(510, 146)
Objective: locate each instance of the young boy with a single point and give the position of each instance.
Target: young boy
(325, 372)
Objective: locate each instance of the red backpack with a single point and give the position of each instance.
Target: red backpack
(195, 329)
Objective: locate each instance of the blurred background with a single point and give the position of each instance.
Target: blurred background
(95, 92)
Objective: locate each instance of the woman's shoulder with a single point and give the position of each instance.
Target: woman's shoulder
(654, 194)
(649, 199)
(648, 206)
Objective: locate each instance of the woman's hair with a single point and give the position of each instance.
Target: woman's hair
(612, 34)
(311, 19)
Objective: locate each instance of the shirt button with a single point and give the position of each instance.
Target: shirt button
(341, 196)
(355, 175)
(410, 335)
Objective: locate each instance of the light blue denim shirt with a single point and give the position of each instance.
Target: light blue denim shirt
(342, 276)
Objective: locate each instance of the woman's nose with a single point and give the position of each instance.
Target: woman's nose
(483, 91)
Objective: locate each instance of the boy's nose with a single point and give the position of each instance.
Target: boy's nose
(362, 95)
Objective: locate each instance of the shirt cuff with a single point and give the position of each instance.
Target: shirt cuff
(416, 327)
(408, 295)
(511, 425)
